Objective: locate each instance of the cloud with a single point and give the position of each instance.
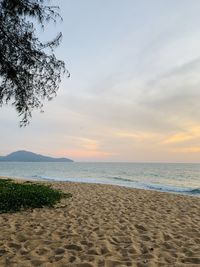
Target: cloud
(83, 154)
(182, 137)
(133, 95)
(177, 138)
(187, 150)
(137, 136)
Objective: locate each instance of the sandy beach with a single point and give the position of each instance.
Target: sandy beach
(104, 226)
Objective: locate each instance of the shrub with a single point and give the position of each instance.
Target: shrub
(20, 196)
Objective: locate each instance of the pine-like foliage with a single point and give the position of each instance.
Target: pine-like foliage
(29, 70)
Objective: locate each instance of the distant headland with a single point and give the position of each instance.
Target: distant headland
(27, 156)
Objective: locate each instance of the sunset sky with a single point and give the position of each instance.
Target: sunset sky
(134, 91)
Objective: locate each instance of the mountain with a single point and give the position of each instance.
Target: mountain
(26, 156)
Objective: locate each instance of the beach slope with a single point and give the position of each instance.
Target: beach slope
(104, 226)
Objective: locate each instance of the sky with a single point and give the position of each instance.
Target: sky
(134, 90)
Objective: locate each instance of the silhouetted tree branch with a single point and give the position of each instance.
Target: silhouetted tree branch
(29, 70)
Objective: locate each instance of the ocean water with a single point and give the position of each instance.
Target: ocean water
(176, 178)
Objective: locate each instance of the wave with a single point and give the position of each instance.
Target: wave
(125, 182)
(195, 191)
(189, 191)
(163, 188)
(43, 177)
(57, 179)
(122, 179)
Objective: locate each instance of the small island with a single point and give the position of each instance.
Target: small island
(27, 156)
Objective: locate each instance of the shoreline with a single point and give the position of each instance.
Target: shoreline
(104, 226)
(49, 181)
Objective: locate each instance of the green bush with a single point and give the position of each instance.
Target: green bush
(19, 196)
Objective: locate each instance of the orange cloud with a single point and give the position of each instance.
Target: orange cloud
(176, 138)
(86, 148)
(136, 135)
(89, 144)
(82, 153)
(187, 149)
(189, 134)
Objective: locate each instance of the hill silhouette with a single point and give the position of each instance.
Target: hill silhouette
(27, 156)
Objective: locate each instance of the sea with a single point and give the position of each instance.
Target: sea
(179, 178)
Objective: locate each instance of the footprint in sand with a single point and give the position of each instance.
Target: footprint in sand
(73, 247)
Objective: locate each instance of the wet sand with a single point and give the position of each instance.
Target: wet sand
(104, 226)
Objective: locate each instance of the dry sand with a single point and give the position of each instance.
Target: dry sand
(103, 225)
